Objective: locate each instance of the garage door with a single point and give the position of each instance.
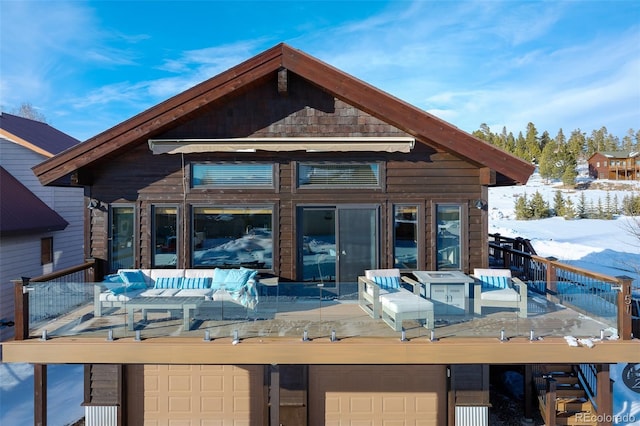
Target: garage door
(377, 395)
(203, 395)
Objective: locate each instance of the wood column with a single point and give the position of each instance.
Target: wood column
(604, 395)
(40, 394)
(21, 308)
(624, 308)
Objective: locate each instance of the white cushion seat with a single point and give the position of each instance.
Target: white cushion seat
(502, 294)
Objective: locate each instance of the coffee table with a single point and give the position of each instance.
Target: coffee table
(184, 304)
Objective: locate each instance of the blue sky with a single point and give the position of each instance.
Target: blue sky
(88, 65)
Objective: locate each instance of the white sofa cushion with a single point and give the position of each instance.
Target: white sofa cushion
(502, 295)
(405, 302)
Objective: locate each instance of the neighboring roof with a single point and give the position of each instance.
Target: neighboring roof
(35, 135)
(618, 154)
(21, 211)
(425, 127)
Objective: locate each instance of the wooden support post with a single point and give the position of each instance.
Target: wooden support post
(21, 308)
(550, 403)
(624, 308)
(529, 393)
(604, 395)
(274, 395)
(552, 278)
(40, 394)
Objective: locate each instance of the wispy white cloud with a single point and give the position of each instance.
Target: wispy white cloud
(502, 63)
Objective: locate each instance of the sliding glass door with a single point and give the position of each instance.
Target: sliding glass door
(338, 243)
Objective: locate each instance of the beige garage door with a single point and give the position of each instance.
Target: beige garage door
(377, 395)
(203, 395)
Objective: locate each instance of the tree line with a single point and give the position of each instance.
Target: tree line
(536, 207)
(557, 158)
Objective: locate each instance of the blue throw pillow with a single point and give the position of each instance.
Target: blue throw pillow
(117, 290)
(168, 282)
(236, 279)
(200, 282)
(387, 283)
(219, 276)
(131, 277)
(492, 283)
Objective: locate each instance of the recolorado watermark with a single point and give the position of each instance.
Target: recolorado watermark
(610, 418)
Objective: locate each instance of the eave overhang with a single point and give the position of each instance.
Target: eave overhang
(351, 351)
(425, 127)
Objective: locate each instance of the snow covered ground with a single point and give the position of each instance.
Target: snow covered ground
(606, 246)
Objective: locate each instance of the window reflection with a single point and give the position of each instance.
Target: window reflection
(405, 225)
(233, 237)
(448, 239)
(165, 222)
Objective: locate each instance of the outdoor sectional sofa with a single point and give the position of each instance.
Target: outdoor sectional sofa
(235, 285)
(381, 295)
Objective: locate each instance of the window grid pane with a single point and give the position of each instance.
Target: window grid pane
(339, 175)
(233, 236)
(232, 175)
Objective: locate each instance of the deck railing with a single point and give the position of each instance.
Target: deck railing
(54, 295)
(609, 299)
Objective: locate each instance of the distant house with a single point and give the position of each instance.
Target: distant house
(41, 227)
(615, 165)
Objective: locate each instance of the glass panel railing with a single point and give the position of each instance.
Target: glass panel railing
(307, 309)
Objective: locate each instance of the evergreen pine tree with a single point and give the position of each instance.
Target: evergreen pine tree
(539, 207)
(521, 208)
(569, 210)
(582, 206)
(558, 204)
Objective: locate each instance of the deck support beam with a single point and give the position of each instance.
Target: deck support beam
(40, 394)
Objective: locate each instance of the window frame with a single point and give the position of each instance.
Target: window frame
(178, 236)
(463, 237)
(419, 241)
(46, 250)
(273, 207)
(242, 187)
(379, 187)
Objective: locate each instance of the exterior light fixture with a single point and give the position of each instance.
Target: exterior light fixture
(333, 336)
(433, 337)
(138, 337)
(403, 336)
(236, 338)
(480, 204)
(305, 336)
(207, 336)
(110, 335)
(93, 204)
(532, 336)
(44, 335)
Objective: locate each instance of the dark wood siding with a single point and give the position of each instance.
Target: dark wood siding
(423, 176)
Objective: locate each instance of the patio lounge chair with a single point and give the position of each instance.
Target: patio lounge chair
(497, 288)
(381, 295)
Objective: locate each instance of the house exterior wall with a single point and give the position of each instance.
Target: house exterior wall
(423, 177)
(20, 255)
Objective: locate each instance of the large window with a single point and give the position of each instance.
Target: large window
(121, 237)
(165, 237)
(233, 236)
(232, 175)
(448, 240)
(405, 236)
(332, 175)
